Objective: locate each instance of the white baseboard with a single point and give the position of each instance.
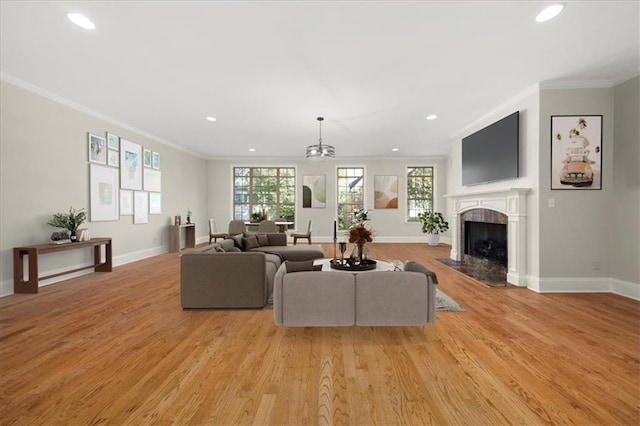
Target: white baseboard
(584, 285)
(625, 288)
(6, 287)
(412, 239)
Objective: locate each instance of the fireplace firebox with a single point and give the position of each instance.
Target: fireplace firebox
(486, 241)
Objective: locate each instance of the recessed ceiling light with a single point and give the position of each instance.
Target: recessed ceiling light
(209, 118)
(252, 150)
(81, 21)
(395, 149)
(432, 117)
(549, 12)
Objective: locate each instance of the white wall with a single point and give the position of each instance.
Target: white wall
(44, 170)
(528, 105)
(575, 233)
(590, 240)
(390, 224)
(624, 217)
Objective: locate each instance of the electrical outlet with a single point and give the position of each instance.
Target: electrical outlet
(552, 202)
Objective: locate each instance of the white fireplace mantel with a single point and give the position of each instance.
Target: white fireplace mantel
(509, 201)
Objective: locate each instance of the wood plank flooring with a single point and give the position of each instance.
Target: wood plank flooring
(116, 348)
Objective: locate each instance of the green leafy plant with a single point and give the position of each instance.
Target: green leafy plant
(70, 221)
(433, 222)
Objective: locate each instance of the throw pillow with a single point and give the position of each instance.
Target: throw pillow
(412, 266)
(234, 250)
(237, 241)
(263, 239)
(304, 265)
(250, 242)
(220, 249)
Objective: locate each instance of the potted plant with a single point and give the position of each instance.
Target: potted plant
(432, 224)
(70, 221)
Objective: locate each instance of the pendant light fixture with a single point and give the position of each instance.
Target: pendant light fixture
(320, 151)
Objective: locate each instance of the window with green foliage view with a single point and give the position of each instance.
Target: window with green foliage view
(350, 194)
(419, 191)
(271, 189)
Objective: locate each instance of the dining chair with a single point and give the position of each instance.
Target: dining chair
(213, 232)
(306, 235)
(267, 226)
(236, 227)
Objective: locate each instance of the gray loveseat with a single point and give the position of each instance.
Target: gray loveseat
(336, 298)
(221, 275)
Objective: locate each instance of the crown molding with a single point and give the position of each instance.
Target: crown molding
(86, 110)
(535, 88)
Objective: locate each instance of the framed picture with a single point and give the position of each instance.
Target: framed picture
(97, 149)
(147, 158)
(155, 203)
(385, 192)
(152, 180)
(126, 202)
(113, 141)
(104, 193)
(155, 160)
(314, 191)
(130, 165)
(113, 158)
(140, 207)
(576, 152)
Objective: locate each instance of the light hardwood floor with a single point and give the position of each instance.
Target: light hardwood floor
(116, 348)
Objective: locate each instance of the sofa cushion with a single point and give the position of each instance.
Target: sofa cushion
(237, 241)
(300, 266)
(308, 299)
(250, 242)
(263, 239)
(277, 239)
(227, 244)
(392, 298)
(411, 266)
(295, 253)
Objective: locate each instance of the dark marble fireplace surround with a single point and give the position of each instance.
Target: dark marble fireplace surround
(489, 267)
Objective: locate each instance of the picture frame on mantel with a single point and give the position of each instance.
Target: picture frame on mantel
(576, 152)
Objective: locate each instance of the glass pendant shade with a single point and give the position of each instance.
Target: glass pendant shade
(320, 151)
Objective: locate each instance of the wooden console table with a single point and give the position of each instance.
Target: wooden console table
(189, 236)
(31, 284)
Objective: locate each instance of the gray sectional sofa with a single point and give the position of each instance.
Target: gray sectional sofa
(333, 298)
(237, 272)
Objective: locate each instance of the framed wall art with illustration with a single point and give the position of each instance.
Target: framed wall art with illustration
(113, 141)
(126, 202)
(576, 152)
(130, 165)
(314, 191)
(140, 207)
(155, 203)
(104, 193)
(97, 149)
(385, 192)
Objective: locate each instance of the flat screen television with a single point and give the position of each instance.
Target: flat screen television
(491, 154)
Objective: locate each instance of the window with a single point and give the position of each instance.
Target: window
(419, 191)
(271, 189)
(350, 194)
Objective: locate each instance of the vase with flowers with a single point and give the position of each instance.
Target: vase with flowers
(360, 233)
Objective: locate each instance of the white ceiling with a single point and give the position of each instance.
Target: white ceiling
(266, 70)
